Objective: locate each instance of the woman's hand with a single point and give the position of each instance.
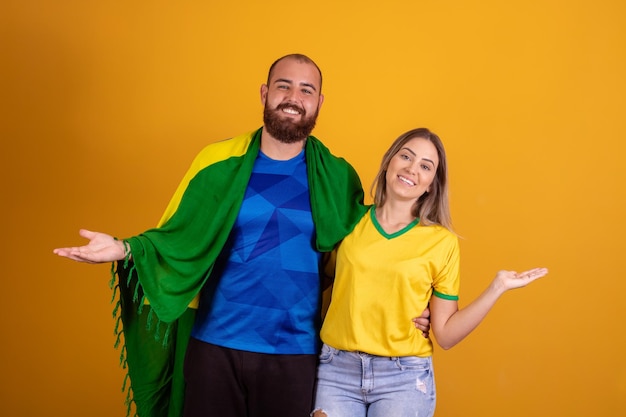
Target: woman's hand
(509, 280)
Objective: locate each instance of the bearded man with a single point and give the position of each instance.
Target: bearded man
(232, 273)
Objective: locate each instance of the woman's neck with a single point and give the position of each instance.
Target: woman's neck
(395, 216)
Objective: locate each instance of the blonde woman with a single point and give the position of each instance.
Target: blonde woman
(401, 257)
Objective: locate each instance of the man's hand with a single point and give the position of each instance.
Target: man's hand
(423, 322)
(101, 248)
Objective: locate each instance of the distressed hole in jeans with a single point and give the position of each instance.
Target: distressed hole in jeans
(319, 413)
(421, 386)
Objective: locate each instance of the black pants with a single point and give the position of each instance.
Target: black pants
(233, 383)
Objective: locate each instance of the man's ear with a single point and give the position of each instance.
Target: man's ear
(263, 93)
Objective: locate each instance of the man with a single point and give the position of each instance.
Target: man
(251, 220)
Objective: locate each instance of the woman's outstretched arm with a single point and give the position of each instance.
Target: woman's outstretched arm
(451, 325)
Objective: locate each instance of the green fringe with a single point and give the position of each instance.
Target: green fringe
(118, 330)
(153, 321)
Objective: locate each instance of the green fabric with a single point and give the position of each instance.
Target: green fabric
(172, 263)
(153, 353)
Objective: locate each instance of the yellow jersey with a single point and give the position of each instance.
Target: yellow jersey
(384, 280)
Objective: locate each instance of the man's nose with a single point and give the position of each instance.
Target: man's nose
(293, 95)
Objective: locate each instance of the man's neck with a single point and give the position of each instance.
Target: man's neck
(275, 149)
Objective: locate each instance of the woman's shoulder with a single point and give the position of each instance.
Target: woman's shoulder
(440, 233)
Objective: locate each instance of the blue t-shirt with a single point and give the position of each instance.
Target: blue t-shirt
(264, 292)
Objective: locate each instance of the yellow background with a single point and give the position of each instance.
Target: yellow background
(104, 104)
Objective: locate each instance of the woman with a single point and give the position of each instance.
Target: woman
(401, 257)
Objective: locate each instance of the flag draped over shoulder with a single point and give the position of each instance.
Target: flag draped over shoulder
(171, 262)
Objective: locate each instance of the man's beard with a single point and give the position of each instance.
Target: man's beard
(286, 130)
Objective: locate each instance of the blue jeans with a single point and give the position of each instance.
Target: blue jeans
(357, 384)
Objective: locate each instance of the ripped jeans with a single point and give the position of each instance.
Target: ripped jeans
(357, 384)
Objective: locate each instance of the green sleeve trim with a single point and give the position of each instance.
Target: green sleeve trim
(446, 296)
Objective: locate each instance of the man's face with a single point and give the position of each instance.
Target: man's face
(292, 100)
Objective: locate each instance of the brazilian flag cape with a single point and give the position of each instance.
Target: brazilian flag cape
(158, 288)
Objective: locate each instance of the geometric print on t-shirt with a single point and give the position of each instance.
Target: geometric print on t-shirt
(263, 294)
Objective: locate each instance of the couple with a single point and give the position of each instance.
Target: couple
(233, 270)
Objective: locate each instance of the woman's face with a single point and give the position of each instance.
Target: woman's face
(412, 170)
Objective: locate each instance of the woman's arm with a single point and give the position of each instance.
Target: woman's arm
(451, 325)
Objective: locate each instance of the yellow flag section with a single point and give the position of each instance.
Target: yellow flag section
(218, 152)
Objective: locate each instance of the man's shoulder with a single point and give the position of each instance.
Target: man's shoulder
(322, 149)
(224, 149)
(235, 144)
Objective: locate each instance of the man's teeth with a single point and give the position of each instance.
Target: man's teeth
(406, 181)
(291, 111)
